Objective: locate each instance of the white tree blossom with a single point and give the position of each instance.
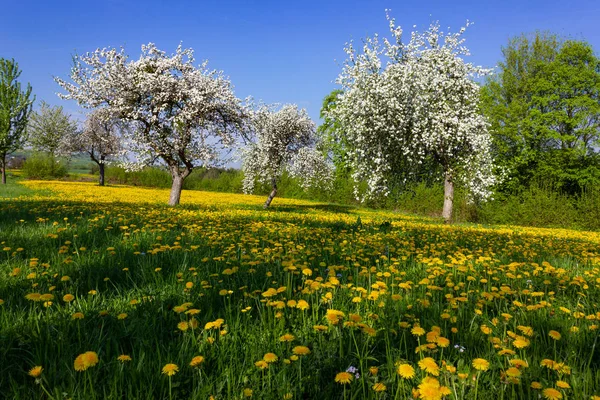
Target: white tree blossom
(49, 127)
(179, 113)
(282, 140)
(407, 102)
(100, 138)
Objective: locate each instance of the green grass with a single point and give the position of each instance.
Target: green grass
(139, 259)
(14, 189)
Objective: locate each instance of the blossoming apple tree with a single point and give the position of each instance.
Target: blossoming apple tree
(411, 102)
(182, 114)
(282, 139)
(100, 138)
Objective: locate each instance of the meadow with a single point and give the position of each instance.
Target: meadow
(107, 293)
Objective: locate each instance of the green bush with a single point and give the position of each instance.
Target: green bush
(43, 166)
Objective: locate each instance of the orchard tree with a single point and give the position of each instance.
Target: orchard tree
(49, 127)
(15, 108)
(408, 103)
(282, 140)
(100, 138)
(182, 114)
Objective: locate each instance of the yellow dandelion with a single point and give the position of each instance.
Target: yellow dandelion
(183, 326)
(35, 372)
(196, 361)
(379, 387)
(554, 335)
(429, 365)
(288, 337)
(552, 394)
(406, 371)
(270, 357)
(301, 350)
(417, 331)
(124, 358)
(343, 378)
(481, 364)
(85, 361)
(563, 385)
(170, 369)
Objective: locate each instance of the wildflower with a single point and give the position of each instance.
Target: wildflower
(302, 305)
(554, 335)
(183, 326)
(196, 361)
(122, 316)
(343, 378)
(67, 298)
(124, 358)
(261, 364)
(417, 331)
(77, 315)
(85, 361)
(247, 392)
(301, 350)
(35, 372)
(170, 369)
(536, 385)
(379, 387)
(406, 371)
(270, 357)
(429, 365)
(563, 385)
(521, 342)
(481, 364)
(513, 372)
(552, 394)
(288, 337)
(430, 389)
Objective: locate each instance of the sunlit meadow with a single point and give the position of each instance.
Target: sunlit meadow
(106, 293)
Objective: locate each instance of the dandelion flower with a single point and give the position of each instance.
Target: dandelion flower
(301, 350)
(417, 331)
(379, 387)
(196, 361)
(85, 361)
(563, 385)
(343, 378)
(124, 358)
(429, 365)
(551, 394)
(481, 364)
(170, 369)
(35, 372)
(406, 371)
(554, 335)
(288, 337)
(270, 357)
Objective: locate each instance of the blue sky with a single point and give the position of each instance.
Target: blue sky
(276, 51)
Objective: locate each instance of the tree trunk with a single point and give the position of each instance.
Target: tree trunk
(272, 195)
(101, 173)
(448, 197)
(176, 190)
(3, 166)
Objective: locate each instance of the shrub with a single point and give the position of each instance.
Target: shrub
(43, 166)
